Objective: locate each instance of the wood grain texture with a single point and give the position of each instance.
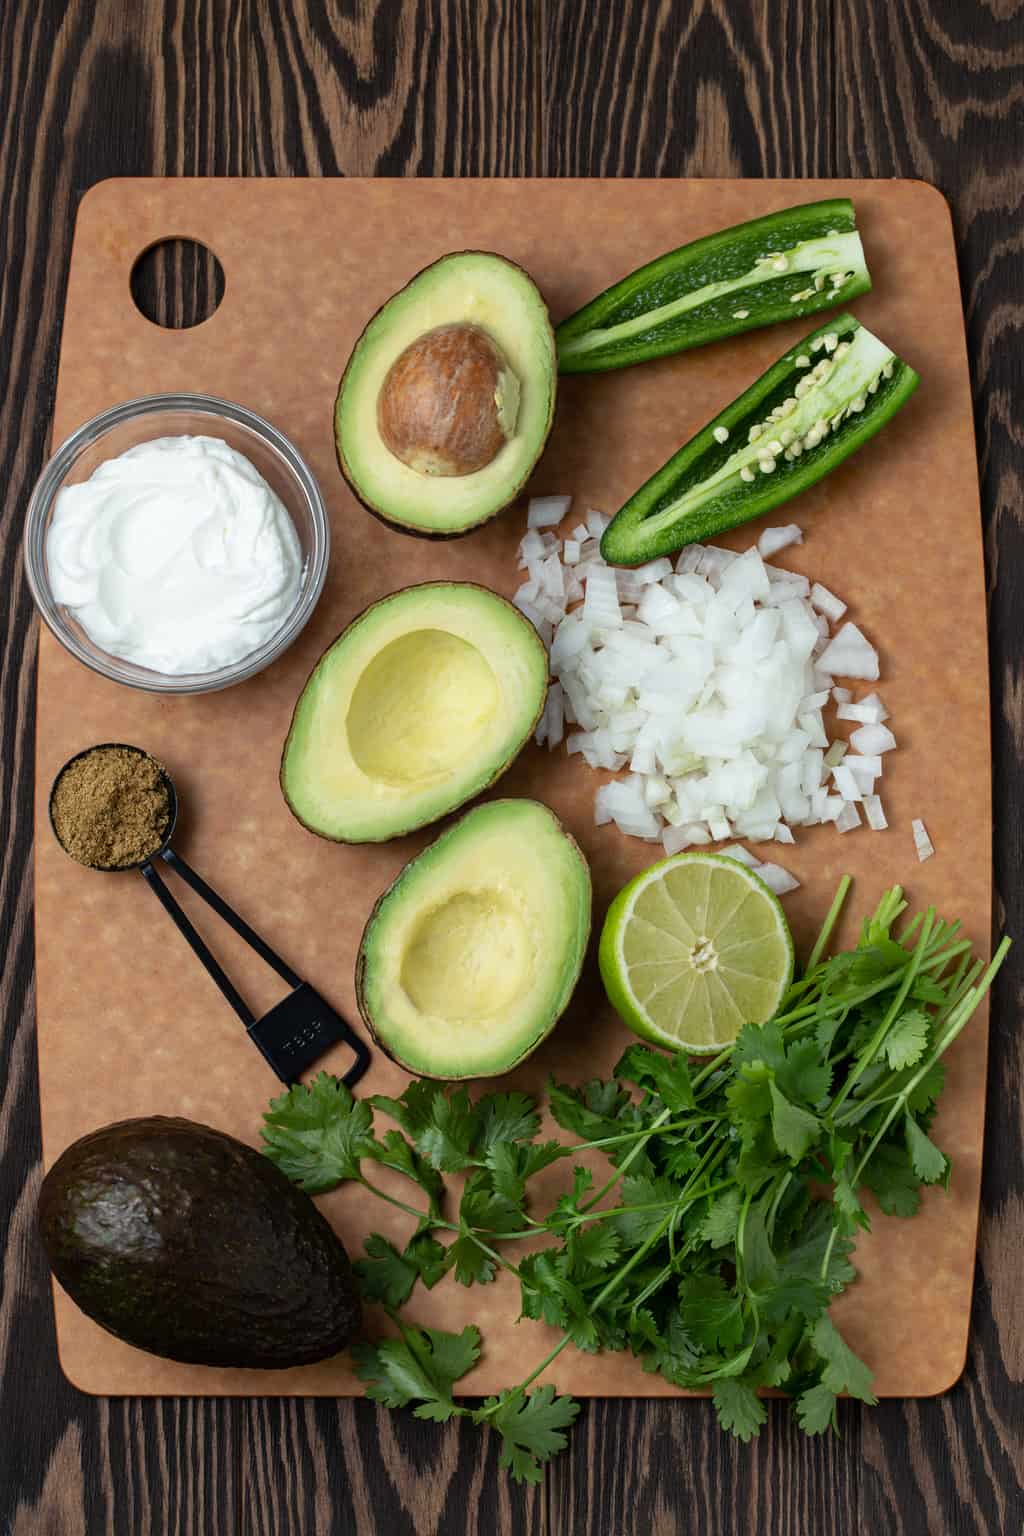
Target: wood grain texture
(93, 88)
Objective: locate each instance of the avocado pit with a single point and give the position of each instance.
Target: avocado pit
(449, 403)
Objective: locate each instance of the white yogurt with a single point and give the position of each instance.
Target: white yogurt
(177, 555)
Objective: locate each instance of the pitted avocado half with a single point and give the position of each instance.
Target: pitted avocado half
(448, 397)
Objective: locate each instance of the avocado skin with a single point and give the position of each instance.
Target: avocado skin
(192, 1245)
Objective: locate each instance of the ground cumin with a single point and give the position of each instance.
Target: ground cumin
(111, 808)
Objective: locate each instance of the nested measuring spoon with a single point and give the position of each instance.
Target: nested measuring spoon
(298, 1029)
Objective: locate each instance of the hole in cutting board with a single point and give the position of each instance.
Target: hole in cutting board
(177, 283)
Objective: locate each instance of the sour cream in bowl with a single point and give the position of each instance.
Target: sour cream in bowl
(176, 544)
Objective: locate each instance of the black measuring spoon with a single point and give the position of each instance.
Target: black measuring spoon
(298, 1029)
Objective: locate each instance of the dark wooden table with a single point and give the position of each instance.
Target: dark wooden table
(96, 88)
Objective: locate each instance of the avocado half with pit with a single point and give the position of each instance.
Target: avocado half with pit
(417, 706)
(448, 397)
(472, 954)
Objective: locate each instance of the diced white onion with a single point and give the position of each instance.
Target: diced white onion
(873, 739)
(739, 853)
(874, 813)
(848, 818)
(703, 687)
(846, 783)
(777, 879)
(922, 842)
(850, 655)
(827, 603)
(546, 511)
(774, 539)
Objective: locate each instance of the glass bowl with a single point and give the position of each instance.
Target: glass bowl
(138, 421)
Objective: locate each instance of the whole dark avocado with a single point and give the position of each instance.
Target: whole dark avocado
(191, 1245)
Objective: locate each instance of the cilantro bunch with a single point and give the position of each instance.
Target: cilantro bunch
(715, 1246)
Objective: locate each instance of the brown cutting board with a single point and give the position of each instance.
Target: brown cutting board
(130, 1025)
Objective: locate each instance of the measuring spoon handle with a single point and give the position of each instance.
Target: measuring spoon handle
(198, 947)
(230, 916)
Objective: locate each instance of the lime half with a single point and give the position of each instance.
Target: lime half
(693, 949)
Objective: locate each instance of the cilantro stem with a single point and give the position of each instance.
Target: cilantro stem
(621, 1169)
(410, 1210)
(957, 1020)
(436, 1222)
(870, 1051)
(831, 918)
(646, 1130)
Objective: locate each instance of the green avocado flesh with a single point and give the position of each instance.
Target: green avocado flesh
(819, 403)
(420, 704)
(471, 956)
(191, 1245)
(795, 262)
(469, 288)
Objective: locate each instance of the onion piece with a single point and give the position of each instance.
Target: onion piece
(922, 842)
(774, 539)
(850, 655)
(848, 818)
(546, 511)
(827, 603)
(874, 813)
(777, 879)
(873, 740)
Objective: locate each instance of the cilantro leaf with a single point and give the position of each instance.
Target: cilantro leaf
(430, 1258)
(672, 1353)
(928, 1089)
(759, 1157)
(719, 1225)
(816, 1410)
(420, 1366)
(647, 1203)
(760, 1269)
(471, 1264)
(760, 1043)
(794, 1129)
(667, 1076)
(443, 1125)
(677, 1155)
(318, 1135)
(512, 1163)
(595, 1246)
(906, 1040)
(446, 1141)
(928, 1162)
(805, 1076)
(710, 1313)
(843, 1371)
(530, 1425)
(891, 1178)
(738, 1407)
(562, 1219)
(384, 1275)
(598, 1109)
(547, 1292)
(506, 1117)
(395, 1152)
(806, 1252)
